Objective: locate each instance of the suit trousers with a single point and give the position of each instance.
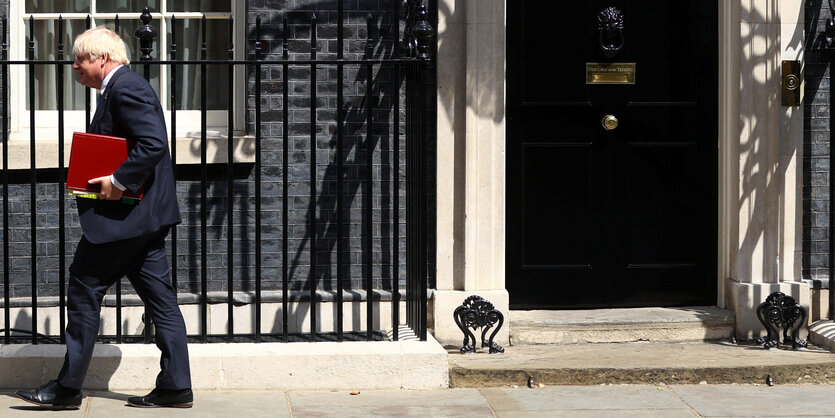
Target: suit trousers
(96, 267)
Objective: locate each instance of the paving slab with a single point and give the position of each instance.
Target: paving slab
(388, 403)
(640, 362)
(759, 401)
(206, 404)
(549, 401)
(572, 399)
(631, 413)
(11, 406)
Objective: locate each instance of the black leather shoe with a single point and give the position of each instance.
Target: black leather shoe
(162, 398)
(52, 395)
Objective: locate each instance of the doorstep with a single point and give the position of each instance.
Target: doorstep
(687, 324)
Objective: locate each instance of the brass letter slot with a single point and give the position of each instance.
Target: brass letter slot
(610, 73)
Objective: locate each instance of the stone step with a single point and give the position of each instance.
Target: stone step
(658, 363)
(687, 324)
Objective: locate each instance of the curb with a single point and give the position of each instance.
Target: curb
(819, 373)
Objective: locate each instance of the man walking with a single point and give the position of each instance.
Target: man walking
(123, 239)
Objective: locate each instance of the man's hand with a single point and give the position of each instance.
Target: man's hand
(107, 192)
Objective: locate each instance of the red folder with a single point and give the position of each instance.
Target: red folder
(93, 155)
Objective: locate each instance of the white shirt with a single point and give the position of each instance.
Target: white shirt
(108, 77)
(101, 92)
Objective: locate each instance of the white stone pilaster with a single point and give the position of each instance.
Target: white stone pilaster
(452, 93)
(766, 239)
(471, 160)
(485, 146)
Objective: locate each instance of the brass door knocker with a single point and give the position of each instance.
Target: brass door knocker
(610, 25)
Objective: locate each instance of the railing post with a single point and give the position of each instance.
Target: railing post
(59, 74)
(831, 53)
(258, 47)
(423, 33)
(285, 175)
(4, 55)
(118, 291)
(33, 198)
(173, 143)
(230, 189)
(146, 34)
(395, 276)
(340, 126)
(204, 205)
(87, 24)
(313, 164)
(368, 199)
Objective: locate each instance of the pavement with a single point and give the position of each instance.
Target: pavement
(578, 380)
(547, 401)
(718, 378)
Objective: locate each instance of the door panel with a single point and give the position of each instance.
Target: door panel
(623, 217)
(557, 210)
(658, 203)
(539, 81)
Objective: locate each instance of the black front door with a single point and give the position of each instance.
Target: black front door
(611, 153)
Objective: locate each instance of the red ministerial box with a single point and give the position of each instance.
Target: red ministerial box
(93, 155)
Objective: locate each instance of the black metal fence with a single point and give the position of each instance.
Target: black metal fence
(408, 65)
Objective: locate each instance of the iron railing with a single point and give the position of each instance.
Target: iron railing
(409, 65)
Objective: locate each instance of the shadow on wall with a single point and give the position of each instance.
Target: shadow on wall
(358, 141)
(764, 158)
(458, 95)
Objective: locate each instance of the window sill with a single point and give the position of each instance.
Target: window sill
(188, 150)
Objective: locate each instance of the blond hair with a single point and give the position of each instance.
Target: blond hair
(99, 41)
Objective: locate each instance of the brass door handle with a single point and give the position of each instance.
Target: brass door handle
(610, 122)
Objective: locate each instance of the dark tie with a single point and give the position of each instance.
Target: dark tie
(98, 101)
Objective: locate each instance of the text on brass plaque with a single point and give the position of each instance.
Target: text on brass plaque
(610, 73)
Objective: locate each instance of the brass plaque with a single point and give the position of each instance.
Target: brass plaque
(610, 73)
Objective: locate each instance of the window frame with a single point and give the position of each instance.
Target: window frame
(188, 121)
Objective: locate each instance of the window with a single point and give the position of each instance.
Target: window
(187, 28)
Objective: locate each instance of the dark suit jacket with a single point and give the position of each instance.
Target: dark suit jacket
(131, 109)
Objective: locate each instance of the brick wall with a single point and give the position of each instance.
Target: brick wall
(816, 146)
(243, 204)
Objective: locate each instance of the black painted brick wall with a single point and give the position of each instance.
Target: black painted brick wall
(816, 145)
(299, 15)
(243, 204)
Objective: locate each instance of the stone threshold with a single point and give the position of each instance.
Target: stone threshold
(697, 323)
